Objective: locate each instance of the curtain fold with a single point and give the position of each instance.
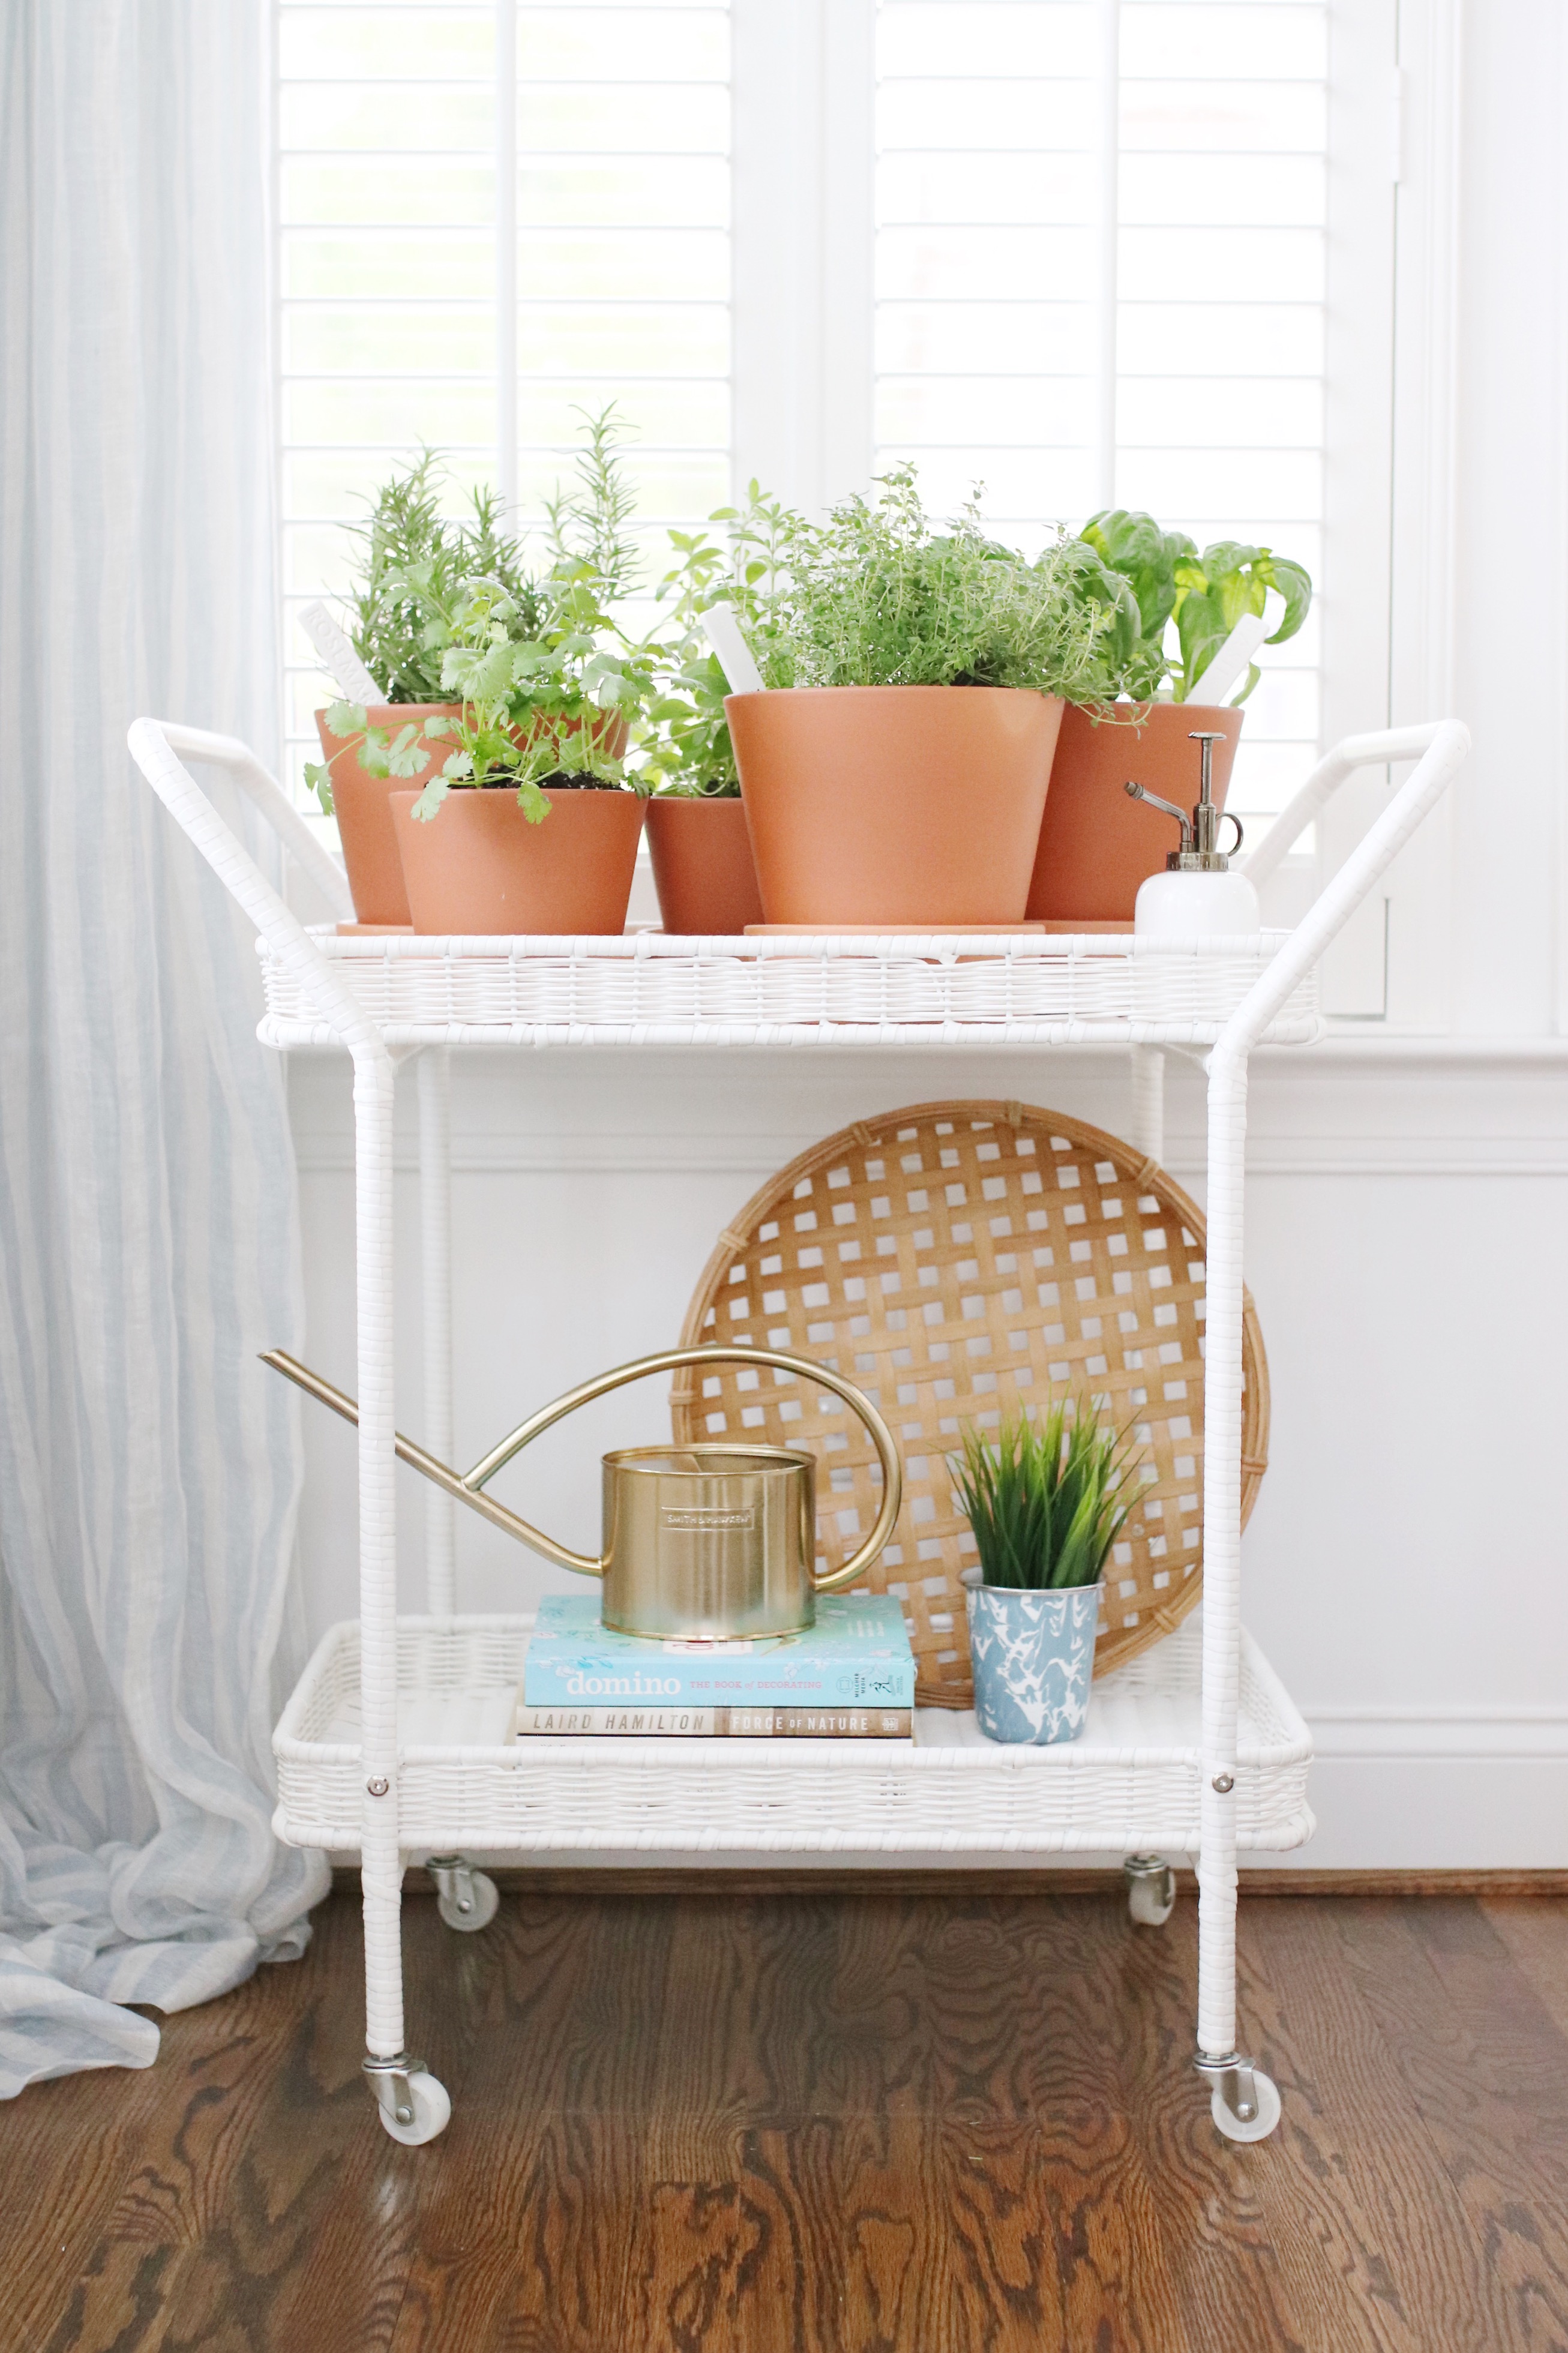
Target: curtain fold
(149, 1469)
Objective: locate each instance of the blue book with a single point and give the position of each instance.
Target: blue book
(857, 1654)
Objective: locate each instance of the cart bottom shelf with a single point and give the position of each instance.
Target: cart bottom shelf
(1130, 1781)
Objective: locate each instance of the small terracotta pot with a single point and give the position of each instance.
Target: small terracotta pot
(478, 867)
(894, 804)
(701, 852)
(360, 801)
(1096, 845)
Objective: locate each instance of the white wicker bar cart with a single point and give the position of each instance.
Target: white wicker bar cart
(398, 1739)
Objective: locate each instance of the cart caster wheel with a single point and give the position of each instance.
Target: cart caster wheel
(468, 1900)
(1258, 2128)
(432, 2105)
(414, 2107)
(1150, 1890)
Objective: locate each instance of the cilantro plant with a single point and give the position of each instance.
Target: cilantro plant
(1204, 596)
(383, 751)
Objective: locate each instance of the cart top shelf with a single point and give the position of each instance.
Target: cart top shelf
(395, 993)
(649, 989)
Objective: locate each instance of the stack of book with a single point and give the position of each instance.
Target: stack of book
(849, 1677)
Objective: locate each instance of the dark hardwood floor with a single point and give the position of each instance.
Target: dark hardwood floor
(901, 2122)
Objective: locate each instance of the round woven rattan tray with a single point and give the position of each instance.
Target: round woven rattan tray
(961, 1260)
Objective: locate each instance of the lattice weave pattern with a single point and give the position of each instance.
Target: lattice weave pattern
(651, 987)
(961, 1260)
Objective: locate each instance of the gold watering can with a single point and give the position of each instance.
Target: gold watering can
(700, 1543)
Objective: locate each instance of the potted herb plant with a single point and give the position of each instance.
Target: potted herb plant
(1091, 856)
(697, 840)
(532, 822)
(413, 560)
(541, 687)
(894, 771)
(1045, 1503)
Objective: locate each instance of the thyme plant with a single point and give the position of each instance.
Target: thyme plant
(874, 596)
(877, 596)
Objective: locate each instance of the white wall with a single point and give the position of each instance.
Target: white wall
(1406, 1246)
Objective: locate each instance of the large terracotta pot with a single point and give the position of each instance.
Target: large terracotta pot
(360, 801)
(701, 852)
(478, 867)
(1096, 845)
(894, 804)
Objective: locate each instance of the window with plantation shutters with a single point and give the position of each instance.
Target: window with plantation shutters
(995, 271)
(491, 218)
(1078, 252)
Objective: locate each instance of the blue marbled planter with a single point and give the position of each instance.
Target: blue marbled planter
(1034, 1658)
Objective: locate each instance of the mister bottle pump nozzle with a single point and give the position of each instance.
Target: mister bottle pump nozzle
(1200, 852)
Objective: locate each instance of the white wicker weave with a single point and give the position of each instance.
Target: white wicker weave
(463, 1781)
(1231, 1747)
(1018, 989)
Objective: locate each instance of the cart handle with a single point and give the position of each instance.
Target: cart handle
(1442, 745)
(156, 745)
(1350, 753)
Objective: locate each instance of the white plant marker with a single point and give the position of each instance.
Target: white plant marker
(339, 658)
(1230, 663)
(735, 660)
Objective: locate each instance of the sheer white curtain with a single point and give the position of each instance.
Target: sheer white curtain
(149, 1466)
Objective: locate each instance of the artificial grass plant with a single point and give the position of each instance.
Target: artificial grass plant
(1045, 1500)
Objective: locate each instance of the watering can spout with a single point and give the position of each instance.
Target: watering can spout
(430, 1466)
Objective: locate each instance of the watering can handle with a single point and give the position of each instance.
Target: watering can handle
(667, 1361)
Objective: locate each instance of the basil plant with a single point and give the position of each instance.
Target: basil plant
(1203, 594)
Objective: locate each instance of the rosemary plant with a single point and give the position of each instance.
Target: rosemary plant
(542, 669)
(1046, 1501)
(415, 563)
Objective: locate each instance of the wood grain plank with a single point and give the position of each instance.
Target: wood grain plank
(524, 2240)
(1382, 2205)
(69, 2148)
(1536, 1935)
(751, 2028)
(321, 2224)
(214, 2073)
(1048, 1877)
(878, 2234)
(1486, 2071)
(1254, 2261)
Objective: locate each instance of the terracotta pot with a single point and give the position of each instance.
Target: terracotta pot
(361, 801)
(1096, 845)
(894, 804)
(702, 853)
(478, 867)
(365, 820)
